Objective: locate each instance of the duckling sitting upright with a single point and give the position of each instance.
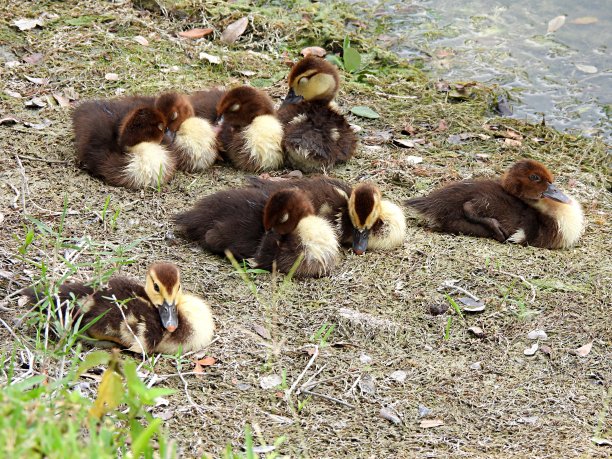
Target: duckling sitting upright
(193, 139)
(316, 135)
(360, 216)
(250, 134)
(120, 142)
(158, 317)
(292, 230)
(524, 207)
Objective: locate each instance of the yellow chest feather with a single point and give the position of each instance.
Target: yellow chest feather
(149, 164)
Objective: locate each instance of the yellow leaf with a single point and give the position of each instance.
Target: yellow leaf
(109, 396)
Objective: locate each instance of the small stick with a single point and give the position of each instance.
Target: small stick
(525, 281)
(308, 365)
(51, 161)
(307, 383)
(327, 397)
(451, 284)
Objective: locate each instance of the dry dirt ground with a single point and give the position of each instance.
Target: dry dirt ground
(492, 399)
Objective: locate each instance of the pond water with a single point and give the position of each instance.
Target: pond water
(565, 75)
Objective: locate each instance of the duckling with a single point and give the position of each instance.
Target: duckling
(523, 207)
(316, 135)
(250, 134)
(156, 317)
(360, 216)
(193, 139)
(205, 102)
(292, 230)
(119, 141)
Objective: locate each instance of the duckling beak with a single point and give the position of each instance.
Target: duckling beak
(218, 124)
(291, 98)
(360, 240)
(554, 193)
(169, 316)
(169, 136)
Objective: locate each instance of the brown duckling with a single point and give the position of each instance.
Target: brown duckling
(316, 135)
(205, 102)
(250, 134)
(293, 229)
(156, 317)
(119, 141)
(360, 216)
(523, 207)
(193, 139)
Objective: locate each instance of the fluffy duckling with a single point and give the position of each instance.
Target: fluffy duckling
(316, 135)
(156, 317)
(205, 102)
(292, 230)
(193, 139)
(119, 141)
(250, 134)
(524, 207)
(360, 216)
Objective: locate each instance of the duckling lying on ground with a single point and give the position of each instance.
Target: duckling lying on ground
(316, 135)
(193, 139)
(119, 141)
(158, 317)
(263, 227)
(359, 215)
(524, 207)
(250, 134)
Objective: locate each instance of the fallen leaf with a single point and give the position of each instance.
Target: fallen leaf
(364, 112)
(36, 102)
(471, 305)
(8, 121)
(246, 72)
(510, 134)
(164, 415)
(511, 143)
(71, 94)
(442, 86)
(234, 30)
(46, 123)
(537, 334)
(37, 80)
(261, 331)
(207, 361)
(409, 129)
(413, 160)
(476, 366)
(556, 23)
(599, 441)
(586, 68)
(585, 20)
(365, 359)
(546, 350)
(111, 77)
(34, 58)
(14, 94)
(583, 351)
(210, 58)
(528, 420)
(476, 331)
(429, 423)
(404, 143)
(367, 385)
(199, 369)
(399, 376)
(442, 126)
(27, 24)
(195, 33)
(110, 394)
(531, 350)
(270, 381)
(313, 51)
(141, 40)
(265, 449)
(482, 156)
(390, 415)
(62, 100)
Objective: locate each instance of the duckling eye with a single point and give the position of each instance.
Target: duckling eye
(174, 116)
(234, 108)
(284, 218)
(534, 178)
(160, 126)
(303, 80)
(156, 287)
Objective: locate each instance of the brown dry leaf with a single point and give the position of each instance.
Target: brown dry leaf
(546, 350)
(442, 86)
(313, 51)
(141, 40)
(261, 331)
(37, 80)
(409, 129)
(442, 126)
(510, 134)
(234, 30)
(585, 20)
(207, 361)
(199, 369)
(429, 423)
(555, 24)
(511, 143)
(62, 100)
(583, 351)
(195, 33)
(33, 58)
(477, 332)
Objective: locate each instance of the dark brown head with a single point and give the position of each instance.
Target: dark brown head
(364, 211)
(531, 181)
(241, 105)
(176, 108)
(163, 287)
(285, 209)
(313, 78)
(143, 124)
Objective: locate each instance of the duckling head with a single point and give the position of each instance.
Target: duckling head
(531, 181)
(163, 287)
(364, 210)
(312, 79)
(285, 209)
(143, 124)
(176, 108)
(241, 105)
